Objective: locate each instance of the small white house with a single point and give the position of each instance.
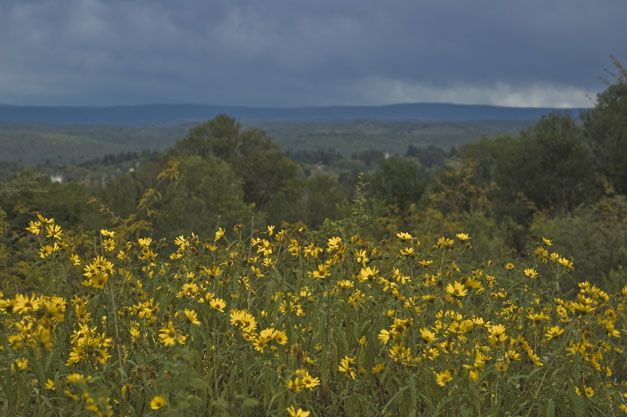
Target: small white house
(56, 178)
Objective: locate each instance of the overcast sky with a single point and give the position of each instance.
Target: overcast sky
(315, 52)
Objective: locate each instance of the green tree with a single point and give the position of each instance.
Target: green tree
(606, 130)
(399, 182)
(255, 158)
(595, 236)
(552, 166)
(206, 193)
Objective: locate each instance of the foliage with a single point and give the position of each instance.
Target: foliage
(283, 323)
(205, 193)
(399, 182)
(405, 290)
(596, 236)
(548, 167)
(252, 155)
(429, 157)
(606, 130)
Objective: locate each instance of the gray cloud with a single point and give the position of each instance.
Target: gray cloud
(285, 52)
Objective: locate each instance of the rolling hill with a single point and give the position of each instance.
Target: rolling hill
(183, 113)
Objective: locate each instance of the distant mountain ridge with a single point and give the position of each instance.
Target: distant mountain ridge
(181, 113)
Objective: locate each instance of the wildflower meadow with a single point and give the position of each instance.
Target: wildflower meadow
(282, 321)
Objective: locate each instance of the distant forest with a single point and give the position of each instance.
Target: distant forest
(561, 176)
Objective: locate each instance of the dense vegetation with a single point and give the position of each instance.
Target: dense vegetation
(225, 277)
(57, 145)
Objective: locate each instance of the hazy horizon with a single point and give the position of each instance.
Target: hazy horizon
(294, 107)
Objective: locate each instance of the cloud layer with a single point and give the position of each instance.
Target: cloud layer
(289, 53)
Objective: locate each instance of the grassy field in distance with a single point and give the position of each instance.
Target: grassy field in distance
(348, 137)
(62, 144)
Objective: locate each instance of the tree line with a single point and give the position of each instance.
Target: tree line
(562, 177)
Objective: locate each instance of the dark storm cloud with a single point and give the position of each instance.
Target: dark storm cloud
(288, 52)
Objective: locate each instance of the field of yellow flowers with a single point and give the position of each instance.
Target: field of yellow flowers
(282, 323)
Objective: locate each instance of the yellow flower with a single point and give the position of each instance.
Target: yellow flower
(456, 289)
(427, 335)
(144, 242)
(530, 273)
(297, 412)
(509, 266)
(293, 248)
(218, 304)
(538, 317)
(219, 234)
(361, 257)
(321, 272)
(264, 247)
(334, 243)
(191, 316)
(134, 332)
(384, 336)
(588, 391)
(345, 366)
(311, 251)
(496, 333)
(76, 378)
(97, 272)
(425, 262)
(108, 245)
(21, 364)
(302, 379)
(54, 231)
(50, 385)
(473, 373)
(463, 236)
(244, 320)
(268, 335)
(34, 227)
(158, 402)
(404, 236)
(443, 378)
(107, 233)
(75, 259)
(566, 263)
(345, 284)
(23, 304)
(378, 368)
(169, 336)
(407, 251)
(512, 355)
(188, 290)
(367, 273)
(444, 243)
(553, 332)
(181, 242)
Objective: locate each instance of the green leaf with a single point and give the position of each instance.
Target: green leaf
(550, 408)
(250, 403)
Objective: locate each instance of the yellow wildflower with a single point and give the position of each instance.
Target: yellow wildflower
(158, 402)
(456, 289)
(463, 237)
(346, 368)
(443, 378)
(297, 412)
(404, 236)
(530, 273)
(553, 332)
